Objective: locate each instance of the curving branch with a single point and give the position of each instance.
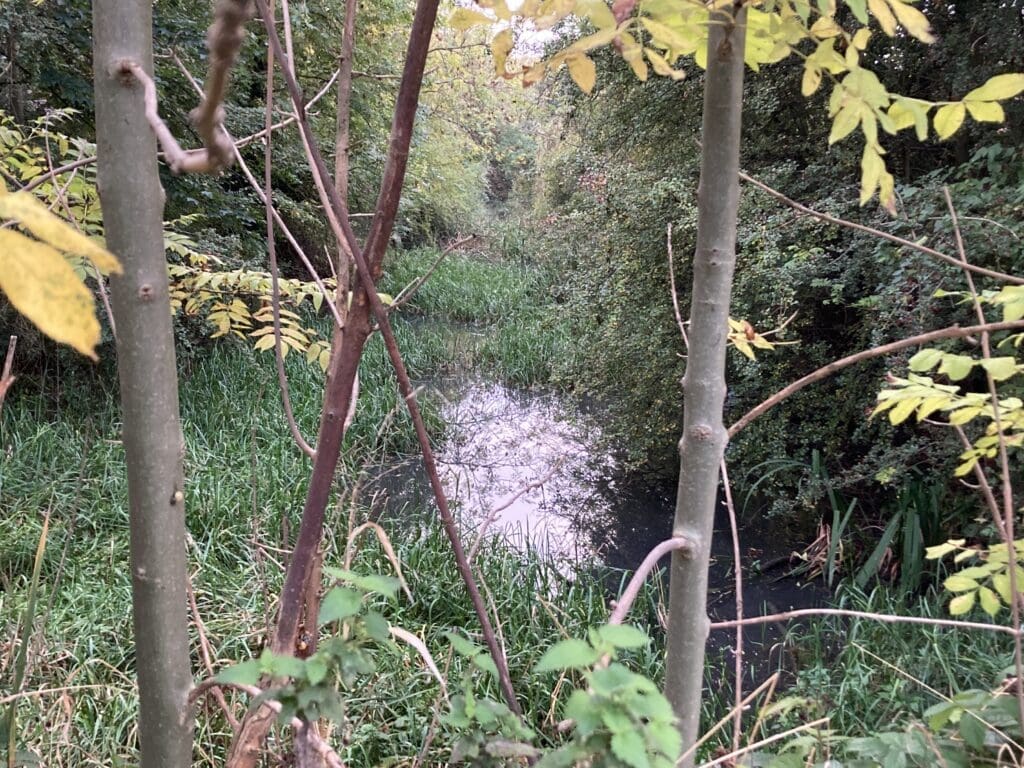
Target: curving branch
(951, 260)
(835, 366)
(625, 602)
(885, 618)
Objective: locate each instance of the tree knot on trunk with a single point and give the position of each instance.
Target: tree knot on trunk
(701, 431)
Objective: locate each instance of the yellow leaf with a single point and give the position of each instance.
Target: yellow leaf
(861, 38)
(998, 88)
(41, 285)
(466, 18)
(811, 81)
(902, 410)
(872, 167)
(661, 66)
(948, 119)
(989, 601)
(596, 10)
(844, 123)
(31, 214)
(881, 12)
(961, 604)
(501, 46)
(986, 111)
(913, 21)
(583, 72)
(824, 28)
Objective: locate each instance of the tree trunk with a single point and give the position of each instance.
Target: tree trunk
(704, 435)
(132, 199)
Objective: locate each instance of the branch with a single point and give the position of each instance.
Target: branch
(1002, 276)
(825, 371)
(410, 290)
(368, 265)
(275, 288)
(223, 41)
(625, 602)
(314, 739)
(885, 618)
(6, 379)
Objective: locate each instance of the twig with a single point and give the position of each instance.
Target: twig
(770, 683)
(223, 40)
(880, 233)
(180, 161)
(410, 290)
(672, 289)
(731, 757)
(825, 371)
(6, 378)
(46, 691)
(204, 648)
(275, 288)
(328, 298)
(1004, 462)
(508, 502)
(984, 486)
(738, 571)
(885, 618)
(625, 602)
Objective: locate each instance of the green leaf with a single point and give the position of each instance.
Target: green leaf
(567, 654)
(986, 111)
(925, 360)
(941, 550)
(376, 626)
(998, 88)
(948, 119)
(371, 582)
(630, 748)
(989, 602)
(462, 646)
(859, 8)
(246, 673)
(484, 662)
(582, 708)
(339, 603)
(1001, 583)
(623, 636)
(279, 665)
(973, 731)
(316, 669)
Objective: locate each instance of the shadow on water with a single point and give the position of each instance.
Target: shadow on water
(586, 511)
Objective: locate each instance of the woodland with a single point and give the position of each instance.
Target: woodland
(745, 275)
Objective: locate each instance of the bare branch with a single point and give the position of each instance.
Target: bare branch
(6, 379)
(885, 618)
(825, 371)
(275, 288)
(738, 575)
(672, 288)
(410, 290)
(625, 601)
(223, 40)
(880, 234)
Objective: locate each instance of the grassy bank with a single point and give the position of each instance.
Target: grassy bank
(61, 456)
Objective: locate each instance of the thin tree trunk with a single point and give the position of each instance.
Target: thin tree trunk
(132, 200)
(704, 435)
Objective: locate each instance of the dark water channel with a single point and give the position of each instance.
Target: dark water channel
(587, 511)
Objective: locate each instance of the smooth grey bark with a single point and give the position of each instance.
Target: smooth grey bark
(704, 434)
(133, 200)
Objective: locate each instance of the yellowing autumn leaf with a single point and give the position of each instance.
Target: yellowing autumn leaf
(948, 119)
(583, 72)
(467, 18)
(31, 214)
(912, 20)
(42, 285)
(998, 88)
